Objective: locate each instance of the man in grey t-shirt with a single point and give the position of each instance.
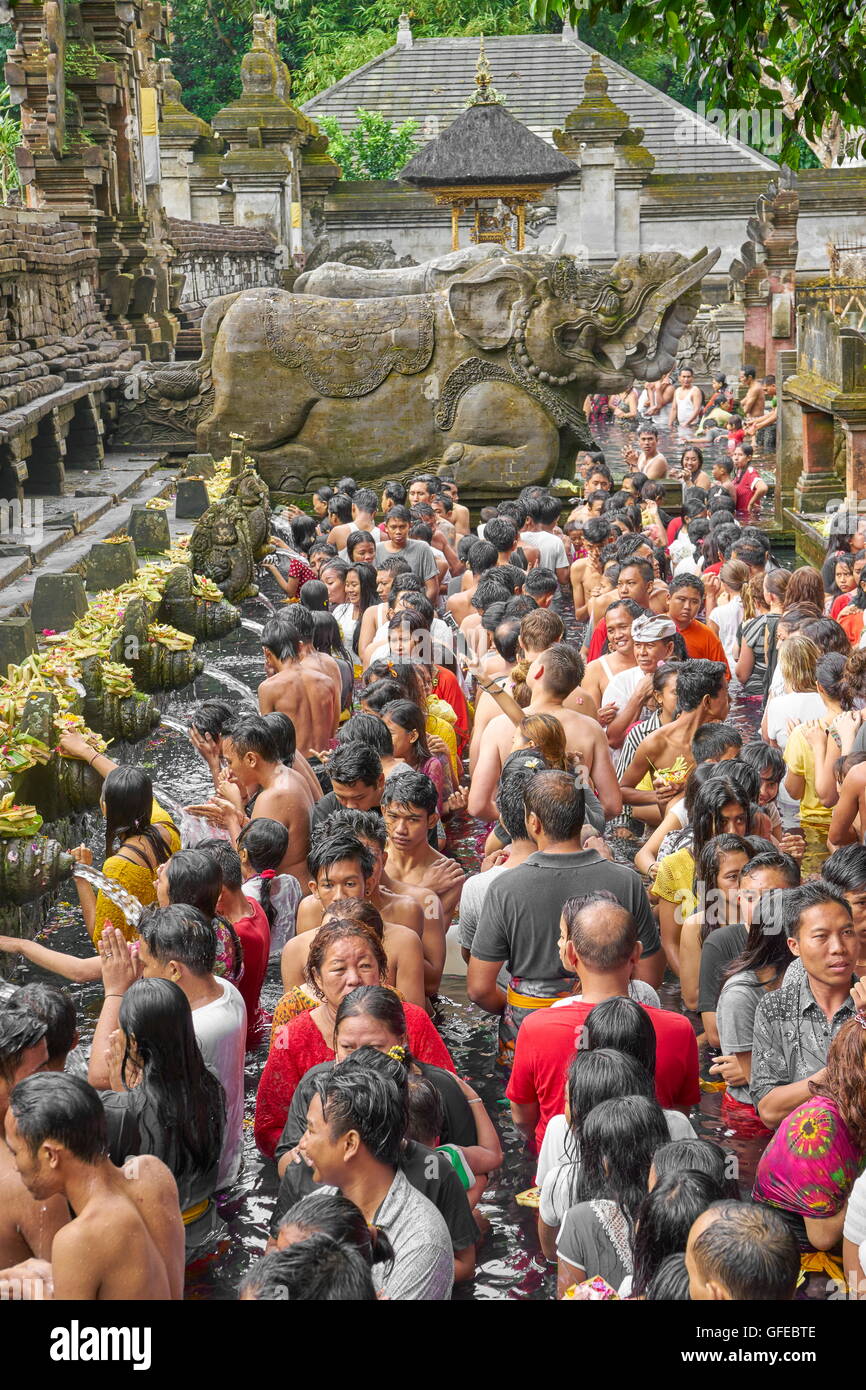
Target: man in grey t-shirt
(418, 554)
(352, 1142)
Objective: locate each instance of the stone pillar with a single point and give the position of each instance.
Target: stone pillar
(854, 429)
(818, 481)
(789, 434)
(601, 212)
(730, 323)
(182, 136)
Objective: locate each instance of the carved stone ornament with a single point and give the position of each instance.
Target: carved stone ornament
(348, 347)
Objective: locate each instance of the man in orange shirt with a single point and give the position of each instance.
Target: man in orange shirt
(686, 601)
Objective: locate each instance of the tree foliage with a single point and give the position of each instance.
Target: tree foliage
(374, 148)
(809, 53)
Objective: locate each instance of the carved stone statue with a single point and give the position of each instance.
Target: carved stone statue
(489, 373)
(252, 492)
(355, 279)
(221, 548)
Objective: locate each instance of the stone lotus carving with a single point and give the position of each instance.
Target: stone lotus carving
(487, 372)
(153, 666)
(205, 618)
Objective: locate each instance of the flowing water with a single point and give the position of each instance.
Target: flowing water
(509, 1260)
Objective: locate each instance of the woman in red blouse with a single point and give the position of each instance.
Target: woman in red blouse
(343, 956)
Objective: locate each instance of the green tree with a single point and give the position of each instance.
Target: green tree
(809, 53)
(10, 138)
(374, 148)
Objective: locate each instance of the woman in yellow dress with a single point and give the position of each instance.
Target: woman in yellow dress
(139, 836)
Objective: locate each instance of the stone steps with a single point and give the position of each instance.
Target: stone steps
(96, 505)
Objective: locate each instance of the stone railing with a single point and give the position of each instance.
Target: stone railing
(219, 260)
(58, 353)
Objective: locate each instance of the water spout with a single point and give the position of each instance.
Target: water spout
(167, 722)
(263, 598)
(168, 803)
(128, 904)
(250, 626)
(230, 682)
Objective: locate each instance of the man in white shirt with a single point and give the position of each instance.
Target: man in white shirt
(178, 943)
(544, 513)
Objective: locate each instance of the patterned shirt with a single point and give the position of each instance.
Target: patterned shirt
(792, 1036)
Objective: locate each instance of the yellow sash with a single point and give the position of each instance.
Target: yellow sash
(193, 1213)
(531, 1001)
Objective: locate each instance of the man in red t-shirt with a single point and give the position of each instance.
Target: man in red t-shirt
(248, 919)
(599, 943)
(686, 600)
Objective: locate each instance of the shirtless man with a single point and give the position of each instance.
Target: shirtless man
(308, 696)
(341, 866)
(586, 573)
(126, 1240)
(280, 793)
(27, 1225)
(299, 622)
(459, 513)
(702, 697)
(751, 401)
(649, 461)
(409, 810)
(551, 677)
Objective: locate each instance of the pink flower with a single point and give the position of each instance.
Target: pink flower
(49, 632)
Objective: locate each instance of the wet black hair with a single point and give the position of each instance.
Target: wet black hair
(281, 638)
(53, 1105)
(318, 1269)
(697, 1156)
(265, 841)
(379, 694)
(314, 594)
(332, 1214)
(282, 729)
(698, 678)
(759, 755)
(593, 1076)
(185, 1099)
(426, 1112)
(329, 849)
(369, 729)
(355, 762)
(20, 1029)
(501, 532)
(712, 740)
(506, 637)
(794, 902)
(408, 717)
(180, 933)
(624, 1026)
(396, 491)
(846, 869)
(540, 581)
(340, 506)
(751, 1251)
(212, 717)
(664, 1219)
(194, 878)
(618, 1140)
(361, 1095)
(670, 1281)
(357, 538)
(56, 1009)
(128, 795)
(410, 789)
(482, 557)
(367, 825)
(228, 859)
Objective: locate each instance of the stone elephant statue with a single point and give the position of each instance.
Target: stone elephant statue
(336, 280)
(487, 374)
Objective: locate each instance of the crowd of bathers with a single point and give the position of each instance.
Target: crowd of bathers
(655, 733)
